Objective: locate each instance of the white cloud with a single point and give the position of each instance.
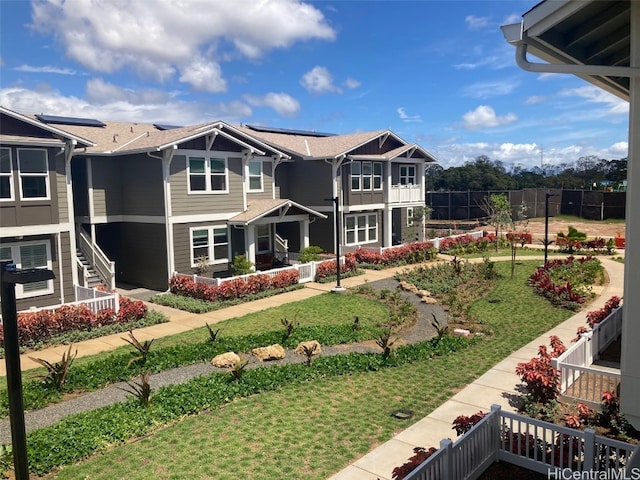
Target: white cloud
(283, 103)
(204, 76)
(127, 105)
(593, 94)
(156, 39)
(485, 117)
(620, 148)
(45, 69)
(476, 23)
(352, 83)
(402, 113)
(490, 89)
(533, 99)
(319, 80)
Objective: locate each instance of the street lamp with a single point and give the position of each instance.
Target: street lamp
(338, 288)
(546, 223)
(9, 277)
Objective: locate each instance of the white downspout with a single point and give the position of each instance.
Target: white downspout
(68, 155)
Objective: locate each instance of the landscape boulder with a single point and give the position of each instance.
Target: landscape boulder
(312, 345)
(272, 352)
(225, 360)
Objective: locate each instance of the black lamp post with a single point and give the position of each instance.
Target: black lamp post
(546, 223)
(338, 288)
(9, 277)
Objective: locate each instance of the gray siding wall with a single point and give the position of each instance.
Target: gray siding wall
(60, 185)
(184, 203)
(142, 187)
(80, 188)
(309, 182)
(182, 248)
(321, 233)
(139, 250)
(107, 187)
(35, 212)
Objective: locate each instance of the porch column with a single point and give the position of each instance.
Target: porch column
(251, 243)
(304, 234)
(630, 356)
(387, 230)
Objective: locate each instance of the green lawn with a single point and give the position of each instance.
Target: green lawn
(314, 429)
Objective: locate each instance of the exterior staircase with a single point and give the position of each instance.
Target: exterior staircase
(91, 277)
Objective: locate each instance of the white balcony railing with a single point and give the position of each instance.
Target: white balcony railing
(405, 194)
(105, 268)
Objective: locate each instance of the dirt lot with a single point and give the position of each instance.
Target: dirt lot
(591, 228)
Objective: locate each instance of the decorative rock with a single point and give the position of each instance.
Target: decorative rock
(225, 360)
(429, 300)
(461, 332)
(312, 345)
(424, 293)
(409, 287)
(272, 352)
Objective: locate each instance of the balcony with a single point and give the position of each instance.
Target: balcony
(405, 194)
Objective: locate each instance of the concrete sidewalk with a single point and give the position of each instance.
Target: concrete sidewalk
(494, 387)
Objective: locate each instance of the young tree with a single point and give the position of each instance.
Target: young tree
(498, 209)
(417, 217)
(519, 229)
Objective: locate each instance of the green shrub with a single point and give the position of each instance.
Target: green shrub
(310, 254)
(241, 266)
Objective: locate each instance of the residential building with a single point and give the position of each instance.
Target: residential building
(36, 205)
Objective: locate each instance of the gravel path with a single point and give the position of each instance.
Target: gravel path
(419, 331)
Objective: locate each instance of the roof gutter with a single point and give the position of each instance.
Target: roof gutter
(515, 35)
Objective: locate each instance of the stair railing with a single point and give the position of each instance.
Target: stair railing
(105, 268)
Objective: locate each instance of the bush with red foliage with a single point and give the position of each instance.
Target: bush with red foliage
(466, 243)
(463, 423)
(40, 326)
(598, 315)
(237, 288)
(523, 238)
(542, 380)
(328, 267)
(411, 253)
(420, 455)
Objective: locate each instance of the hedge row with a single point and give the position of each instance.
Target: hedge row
(405, 254)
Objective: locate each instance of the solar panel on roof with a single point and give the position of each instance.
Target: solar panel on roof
(161, 126)
(85, 122)
(289, 131)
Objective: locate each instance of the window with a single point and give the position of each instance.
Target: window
(361, 228)
(30, 255)
(410, 217)
(407, 175)
(263, 238)
(34, 173)
(211, 243)
(6, 175)
(366, 176)
(255, 176)
(207, 174)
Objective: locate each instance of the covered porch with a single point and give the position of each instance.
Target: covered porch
(269, 228)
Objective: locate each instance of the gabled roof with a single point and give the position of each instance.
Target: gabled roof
(411, 151)
(314, 147)
(131, 137)
(258, 209)
(56, 132)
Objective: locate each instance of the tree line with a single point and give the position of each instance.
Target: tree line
(483, 173)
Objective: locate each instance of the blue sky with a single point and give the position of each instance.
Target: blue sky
(437, 73)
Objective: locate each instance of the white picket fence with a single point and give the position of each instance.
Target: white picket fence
(306, 273)
(539, 446)
(95, 299)
(579, 379)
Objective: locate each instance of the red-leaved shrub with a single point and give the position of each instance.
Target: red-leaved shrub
(542, 380)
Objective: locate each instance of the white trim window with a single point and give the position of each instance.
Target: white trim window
(6, 175)
(407, 175)
(263, 238)
(211, 243)
(366, 176)
(255, 178)
(361, 228)
(409, 216)
(33, 170)
(207, 174)
(35, 254)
